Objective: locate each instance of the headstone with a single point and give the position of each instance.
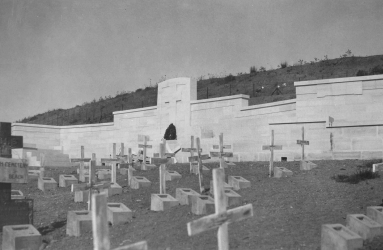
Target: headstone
(172, 175)
(272, 147)
(17, 237)
(67, 180)
(222, 217)
(118, 213)
(17, 195)
(101, 228)
(47, 183)
(364, 226)
(375, 213)
(138, 182)
(238, 182)
(339, 237)
(185, 195)
(202, 204)
(78, 222)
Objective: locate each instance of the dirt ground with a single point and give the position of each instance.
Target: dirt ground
(288, 212)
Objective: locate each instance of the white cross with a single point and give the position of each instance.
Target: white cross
(272, 147)
(221, 154)
(81, 160)
(303, 143)
(222, 217)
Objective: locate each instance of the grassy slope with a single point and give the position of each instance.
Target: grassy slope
(101, 111)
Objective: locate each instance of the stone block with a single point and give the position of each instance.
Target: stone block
(172, 175)
(238, 182)
(118, 213)
(202, 204)
(307, 165)
(375, 213)
(67, 180)
(47, 183)
(233, 198)
(364, 226)
(184, 195)
(17, 195)
(82, 195)
(78, 222)
(21, 237)
(280, 172)
(377, 167)
(226, 186)
(138, 181)
(114, 189)
(339, 237)
(161, 202)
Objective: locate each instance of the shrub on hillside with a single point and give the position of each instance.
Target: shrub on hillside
(229, 78)
(284, 64)
(361, 73)
(363, 173)
(377, 70)
(253, 70)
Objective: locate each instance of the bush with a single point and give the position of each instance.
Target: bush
(253, 70)
(377, 70)
(361, 73)
(284, 64)
(229, 78)
(262, 69)
(363, 173)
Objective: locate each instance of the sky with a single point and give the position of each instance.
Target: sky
(62, 53)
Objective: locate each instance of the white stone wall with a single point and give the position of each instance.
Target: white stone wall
(354, 103)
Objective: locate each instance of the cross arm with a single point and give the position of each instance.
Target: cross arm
(215, 220)
(80, 159)
(190, 150)
(219, 154)
(195, 158)
(302, 142)
(144, 146)
(106, 160)
(269, 147)
(224, 147)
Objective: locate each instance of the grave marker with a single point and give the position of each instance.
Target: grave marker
(192, 149)
(101, 228)
(128, 165)
(81, 168)
(272, 147)
(113, 161)
(12, 212)
(222, 217)
(221, 154)
(144, 146)
(199, 159)
(305, 165)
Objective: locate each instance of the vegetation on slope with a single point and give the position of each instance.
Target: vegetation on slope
(261, 85)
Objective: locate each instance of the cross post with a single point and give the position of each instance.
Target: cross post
(199, 159)
(129, 165)
(163, 160)
(222, 217)
(303, 143)
(221, 154)
(272, 147)
(81, 160)
(113, 161)
(144, 147)
(191, 150)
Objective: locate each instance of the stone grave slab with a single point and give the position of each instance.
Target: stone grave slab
(114, 189)
(172, 175)
(47, 183)
(307, 165)
(67, 180)
(162, 202)
(82, 195)
(225, 186)
(103, 174)
(139, 181)
(375, 213)
(17, 195)
(118, 213)
(21, 237)
(33, 174)
(202, 204)
(78, 222)
(364, 226)
(16, 212)
(337, 236)
(238, 182)
(184, 195)
(377, 167)
(233, 198)
(280, 172)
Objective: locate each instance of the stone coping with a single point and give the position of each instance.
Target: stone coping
(61, 127)
(338, 80)
(270, 104)
(134, 110)
(223, 98)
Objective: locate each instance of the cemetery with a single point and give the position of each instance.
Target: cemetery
(232, 177)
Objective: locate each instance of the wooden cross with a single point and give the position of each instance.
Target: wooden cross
(144, 147)
(129, 165)
(113, 161)
(272, 147)
(192, 149)
(163, 160)
(222, 217)
(303, 143)
(81, 160)
(221, 154)
(92, 181)
(100, 227)
(42, 165)
(198, 158)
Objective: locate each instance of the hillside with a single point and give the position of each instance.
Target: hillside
(100, 111)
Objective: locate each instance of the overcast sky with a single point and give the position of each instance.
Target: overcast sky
(61, 53)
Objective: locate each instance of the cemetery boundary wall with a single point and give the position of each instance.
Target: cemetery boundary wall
(342, 117)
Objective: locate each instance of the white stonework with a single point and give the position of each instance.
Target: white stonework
(355, 103)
